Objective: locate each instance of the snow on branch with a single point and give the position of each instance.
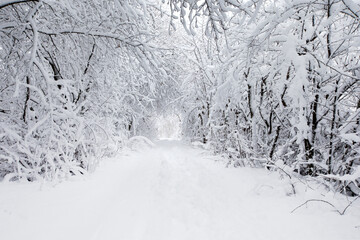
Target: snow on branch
(5, 3)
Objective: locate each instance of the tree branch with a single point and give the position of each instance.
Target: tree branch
(13, 2)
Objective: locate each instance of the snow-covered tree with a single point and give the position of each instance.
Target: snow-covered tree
(287, 83)
(76, 79)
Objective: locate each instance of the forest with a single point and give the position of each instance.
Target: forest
(264, 83)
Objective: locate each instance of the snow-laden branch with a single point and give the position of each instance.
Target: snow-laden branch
(133, 43)
(5, 3)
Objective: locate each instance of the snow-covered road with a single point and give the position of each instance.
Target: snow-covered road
(171, 192)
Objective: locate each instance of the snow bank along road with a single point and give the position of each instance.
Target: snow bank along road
(171, 192)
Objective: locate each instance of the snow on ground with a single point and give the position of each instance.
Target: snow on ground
(170, 192)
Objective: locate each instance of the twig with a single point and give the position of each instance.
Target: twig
(319, 200)
(343, 212)
(316, 200)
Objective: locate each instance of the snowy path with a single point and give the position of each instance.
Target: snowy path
(169, 192)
